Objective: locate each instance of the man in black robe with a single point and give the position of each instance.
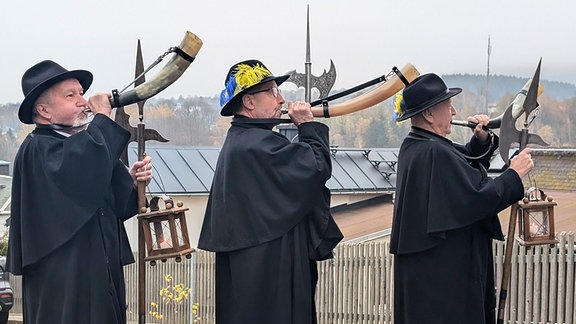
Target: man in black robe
(268, 215)
(446, 212)
(70, 196)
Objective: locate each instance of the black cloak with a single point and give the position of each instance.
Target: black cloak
(70, 196)
(445, 218)
(268, 220)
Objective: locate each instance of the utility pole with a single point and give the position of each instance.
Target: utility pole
(487, 103)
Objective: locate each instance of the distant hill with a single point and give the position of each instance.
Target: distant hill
(501, 85)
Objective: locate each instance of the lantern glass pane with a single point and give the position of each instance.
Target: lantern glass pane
(538, 221)
(179, 231)
(161, 238)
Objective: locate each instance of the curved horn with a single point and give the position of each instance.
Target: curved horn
(493, 123)
(372, 97)
(517, 107)
(185, 54)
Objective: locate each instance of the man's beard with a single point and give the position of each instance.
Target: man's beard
(81, 124)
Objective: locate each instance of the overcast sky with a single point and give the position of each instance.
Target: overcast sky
(364, 38)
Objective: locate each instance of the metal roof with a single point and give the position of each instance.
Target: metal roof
(355, 170)
(189, 170)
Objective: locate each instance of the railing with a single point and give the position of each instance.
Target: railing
(541, 282)
(356, 286)
(155, 281)
(173, 313)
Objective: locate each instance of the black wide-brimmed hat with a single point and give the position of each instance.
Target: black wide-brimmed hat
(42, 76)
(424, 92)
(240, 78)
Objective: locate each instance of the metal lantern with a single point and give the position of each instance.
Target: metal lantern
(536, 219)
(165, 231)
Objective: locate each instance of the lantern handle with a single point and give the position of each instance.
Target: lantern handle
(535, 194)
(168, 202)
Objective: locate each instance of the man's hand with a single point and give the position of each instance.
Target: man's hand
(479, 132)
(522, 163)
(142, 171)
(300, 112)
(100, 104)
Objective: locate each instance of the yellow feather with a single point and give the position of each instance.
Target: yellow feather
(247, 76)
(397, 103)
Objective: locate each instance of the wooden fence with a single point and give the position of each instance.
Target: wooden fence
(356, 286)
(173, 313)
(541, 283)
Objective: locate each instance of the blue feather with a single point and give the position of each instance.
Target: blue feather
(228, 93)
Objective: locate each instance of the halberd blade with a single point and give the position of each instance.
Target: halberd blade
(531, 101)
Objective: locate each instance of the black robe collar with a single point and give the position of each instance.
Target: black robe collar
(264, 123)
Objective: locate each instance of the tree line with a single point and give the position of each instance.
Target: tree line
(196, 121)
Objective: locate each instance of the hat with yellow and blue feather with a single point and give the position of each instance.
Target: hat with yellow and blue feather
(240, 78)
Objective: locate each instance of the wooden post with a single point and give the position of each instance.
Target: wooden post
(141, 245)
(507, 263)
(141, 192)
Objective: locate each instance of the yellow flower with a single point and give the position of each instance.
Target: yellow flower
(174, 294)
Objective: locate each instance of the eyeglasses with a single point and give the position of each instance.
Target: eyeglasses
(275, 91)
